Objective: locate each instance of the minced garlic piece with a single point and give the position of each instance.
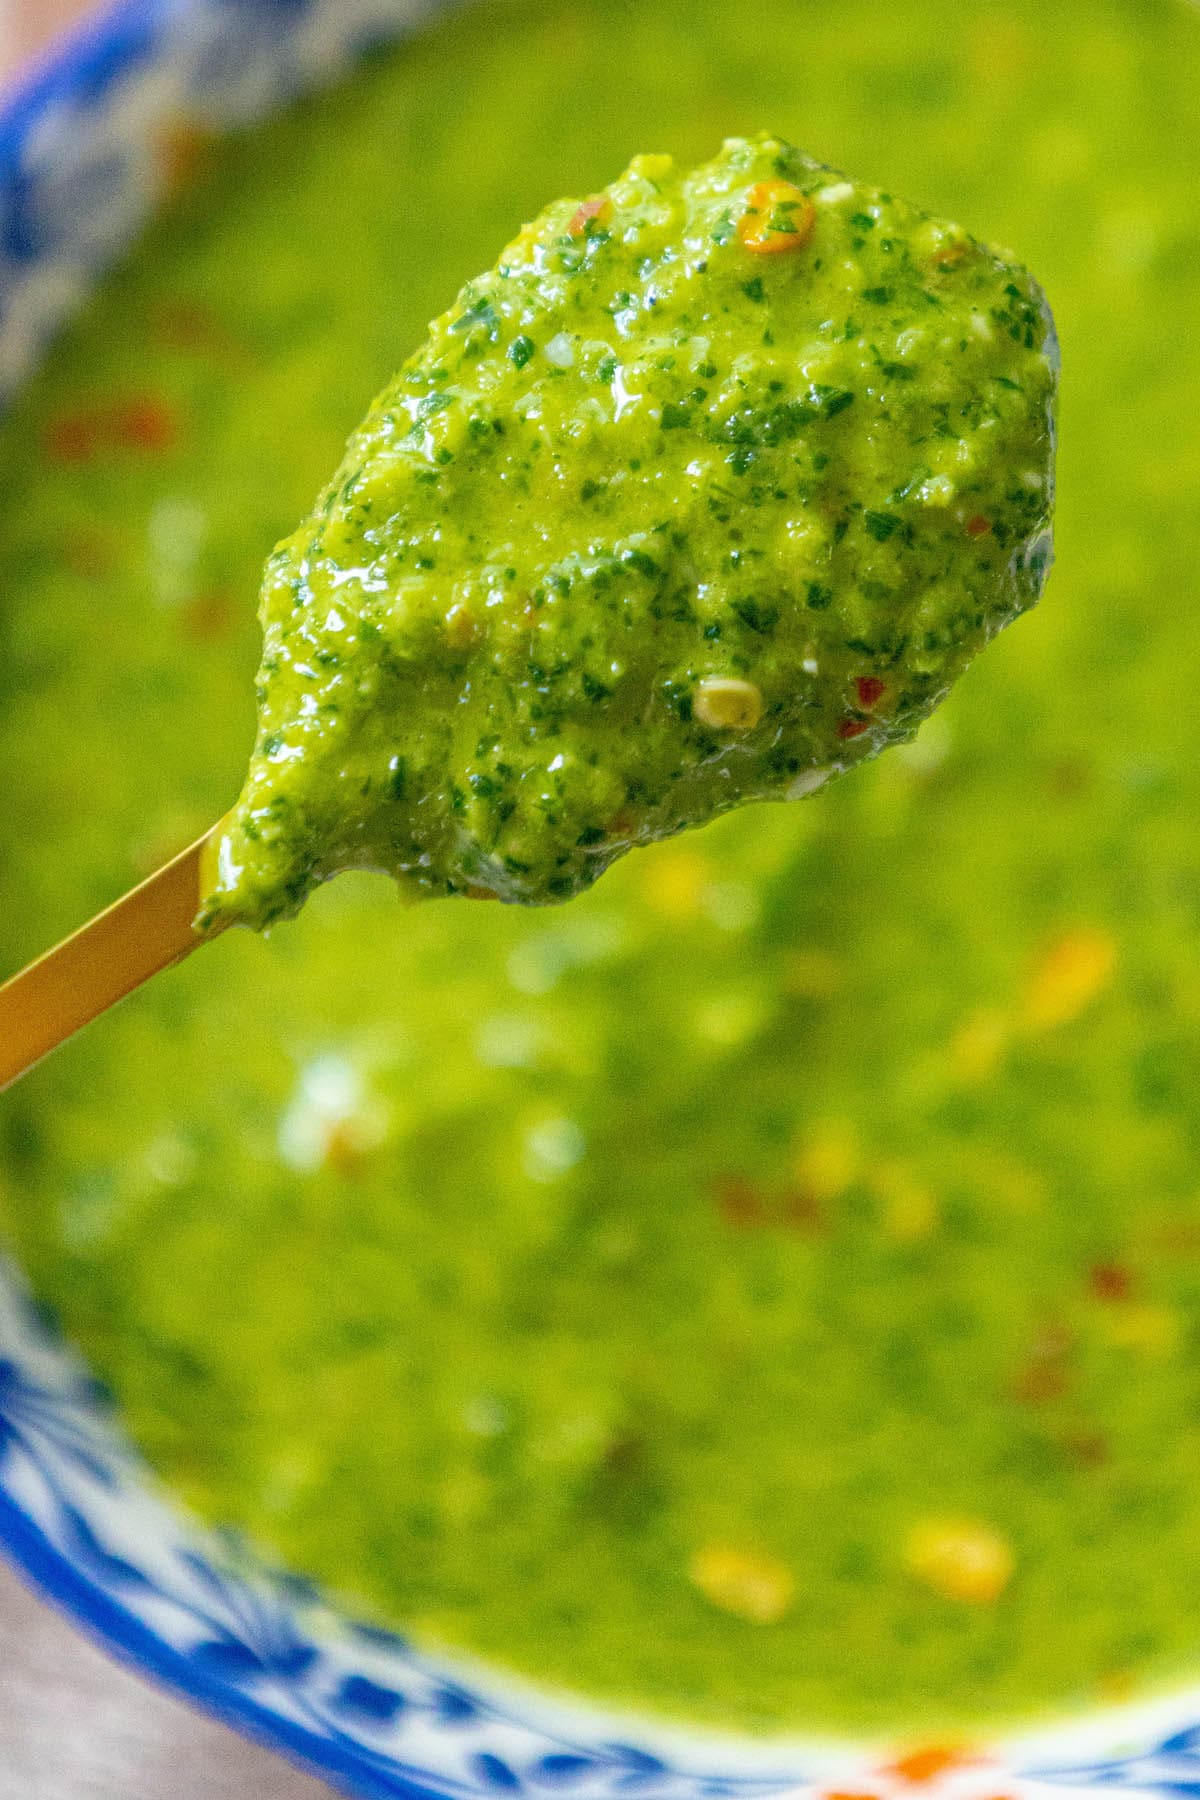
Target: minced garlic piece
(726, 703)
(746, 1583)
(961, 1559)
(1068, 976)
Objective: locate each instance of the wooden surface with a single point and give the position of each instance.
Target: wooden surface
(73, 1725)
(25, 25)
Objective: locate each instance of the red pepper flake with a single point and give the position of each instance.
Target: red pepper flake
(802, 1211)
(184, 153)
(870, 689)
(144, 423)
(949, 256)
(208, 616)
(71, 439)
(1109, 1281)
(1088, 1448)
(739, 1201)
(1046, 1373)
(184, 324)
(928, 1763)
(978, 526)
(344, 1150)
(598, 207)
(852, 728)
(190, 326)
(1040, 1382)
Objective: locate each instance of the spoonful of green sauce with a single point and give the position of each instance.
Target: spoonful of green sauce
(707, 491)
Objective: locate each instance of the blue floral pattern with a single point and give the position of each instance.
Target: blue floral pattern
(81, 162)
(87, 1520)
(80, 169)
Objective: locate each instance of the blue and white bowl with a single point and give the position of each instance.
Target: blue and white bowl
(80, 1514)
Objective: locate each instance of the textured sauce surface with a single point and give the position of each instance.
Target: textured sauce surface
(707, 490)
(767, 1288)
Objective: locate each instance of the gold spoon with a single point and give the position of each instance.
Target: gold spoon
(143, 932)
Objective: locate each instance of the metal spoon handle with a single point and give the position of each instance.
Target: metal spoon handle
(143, 932)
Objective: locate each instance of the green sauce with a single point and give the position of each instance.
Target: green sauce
(813, 1182)
(713, 476)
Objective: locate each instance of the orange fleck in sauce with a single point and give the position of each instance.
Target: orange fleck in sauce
(779, 217)
(596, 212)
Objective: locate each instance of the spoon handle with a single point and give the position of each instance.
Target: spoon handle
(144, 931)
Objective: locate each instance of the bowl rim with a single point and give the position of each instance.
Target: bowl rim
(115, 1631)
